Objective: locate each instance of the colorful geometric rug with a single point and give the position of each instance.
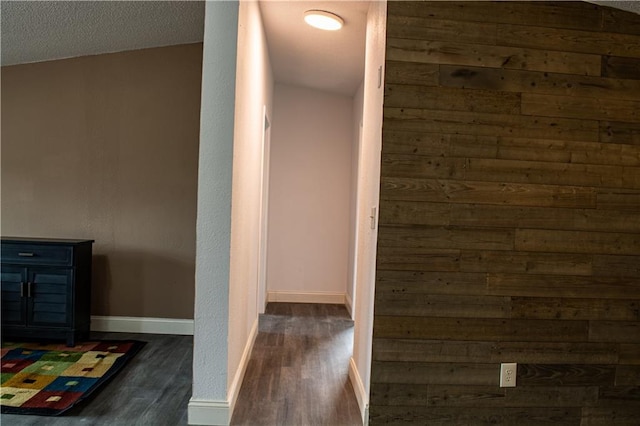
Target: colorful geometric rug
(49, 379)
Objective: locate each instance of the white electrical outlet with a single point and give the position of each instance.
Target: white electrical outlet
(508, 372)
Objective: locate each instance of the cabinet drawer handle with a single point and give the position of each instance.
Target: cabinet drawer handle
(24, 254)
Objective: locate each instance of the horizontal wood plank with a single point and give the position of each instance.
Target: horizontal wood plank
(416, 350)
(603, 416)
(580, 107)
(415, 213)
(579, 309)
(398, 394)
(616, 331)
(510, 216)
(623, 155)
(412, 350)
(589, 175)
(421, 28)
(621, 21)
(445, 237)
(442, 306)
(525, 263)
(602, 220)
(621, 67)
(481, 329)
(454, 53)
(487, 396)
(494, 216)
(569, 40)
(565, 375)
(619, 396)
(620, 132)
(411, 73)
(435, 373)
(616, 266)
(624, 200)
(523, 81)
(540, 218)
(485, 124)
(557, 353)
(628, 375)
(629, 353)
(413, 166)
(496, 193)
(577, 242)
(430, 282)
(438, 144)
(447, 416)
(417, 259)
(552, 14)
(445, 98)
(562, 286)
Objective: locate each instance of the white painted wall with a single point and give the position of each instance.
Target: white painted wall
(309, 194)
(368, 197)
(213, 225)
(357, 107)
(226, 312)
(254, 91)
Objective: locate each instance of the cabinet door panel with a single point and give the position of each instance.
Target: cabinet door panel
(50, 296)
(13, 304)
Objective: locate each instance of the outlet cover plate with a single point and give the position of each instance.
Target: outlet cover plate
(508, 372)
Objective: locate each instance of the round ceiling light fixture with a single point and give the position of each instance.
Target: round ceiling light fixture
(323, 20)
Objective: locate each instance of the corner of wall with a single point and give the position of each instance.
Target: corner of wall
(348, 303)
(234, 389)
(210, 413)
(358, 387)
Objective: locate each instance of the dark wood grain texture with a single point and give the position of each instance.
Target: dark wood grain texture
(509, 223)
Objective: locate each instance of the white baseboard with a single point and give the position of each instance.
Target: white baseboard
(210, 413)
(302, 297)
(142, 325)
(234, 389)
(358, 387)
(348, 303)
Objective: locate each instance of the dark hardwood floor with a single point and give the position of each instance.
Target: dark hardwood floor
(298, 370)
(152, 389)
(297, 375)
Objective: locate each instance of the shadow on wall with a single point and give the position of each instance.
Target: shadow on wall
(142, 284)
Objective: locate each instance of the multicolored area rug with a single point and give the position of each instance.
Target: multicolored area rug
(49, 379)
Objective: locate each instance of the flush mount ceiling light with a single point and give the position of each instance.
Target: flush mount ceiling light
(323, 20)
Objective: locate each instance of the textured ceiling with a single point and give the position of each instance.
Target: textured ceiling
(34, 31)
(631, 6)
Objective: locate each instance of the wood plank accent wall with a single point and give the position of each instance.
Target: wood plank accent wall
(509, 215)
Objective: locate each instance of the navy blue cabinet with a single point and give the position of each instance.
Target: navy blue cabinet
(46, 288)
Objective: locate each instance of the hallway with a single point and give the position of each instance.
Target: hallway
(298, 371)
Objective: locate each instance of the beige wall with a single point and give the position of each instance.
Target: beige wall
(309, 193)
(253, 94)
(106, 147)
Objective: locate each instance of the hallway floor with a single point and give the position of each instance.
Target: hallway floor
(298, 370)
